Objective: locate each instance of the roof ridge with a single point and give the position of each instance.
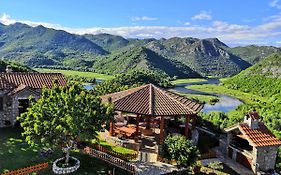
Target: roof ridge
(151, 101)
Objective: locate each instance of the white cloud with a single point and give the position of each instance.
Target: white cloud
(275, 4)
(187, 23)
(203, 15)
(143, 18)
(268, 32)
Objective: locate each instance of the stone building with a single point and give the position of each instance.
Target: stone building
(251, 144)
(17, 87)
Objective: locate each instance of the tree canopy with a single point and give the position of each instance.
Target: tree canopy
(63, 114)
(181, 150)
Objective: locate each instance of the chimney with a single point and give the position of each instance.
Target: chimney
(252, 119)
(9, 69)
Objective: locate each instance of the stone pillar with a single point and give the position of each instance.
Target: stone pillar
(162, 122)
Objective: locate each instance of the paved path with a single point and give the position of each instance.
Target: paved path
(153, 168)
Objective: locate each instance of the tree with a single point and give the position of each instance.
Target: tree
(180, 149)
(62, 115)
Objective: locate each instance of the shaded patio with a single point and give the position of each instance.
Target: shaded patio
(147, 111)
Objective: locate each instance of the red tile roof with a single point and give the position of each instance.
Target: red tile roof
(259, 137)
(30, 79)
(152, 101)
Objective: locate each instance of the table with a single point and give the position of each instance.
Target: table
(125, 130)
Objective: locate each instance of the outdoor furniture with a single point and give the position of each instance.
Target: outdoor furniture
(128, 132)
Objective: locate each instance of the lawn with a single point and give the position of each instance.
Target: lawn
(188, 80)
(218, 89)
(117, 149)
(77, 73)
(15, 153)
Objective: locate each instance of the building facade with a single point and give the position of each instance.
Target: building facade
(251, 144)
(17, 87)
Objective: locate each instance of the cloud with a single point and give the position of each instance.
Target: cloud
(266, 33)
(187, 23)
(143, 18)
(275, 4)
(203, 15)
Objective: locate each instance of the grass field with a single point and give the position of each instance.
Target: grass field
(245, 97)
(77, 73)
(201, 98)
(188, 80)
(15, 153)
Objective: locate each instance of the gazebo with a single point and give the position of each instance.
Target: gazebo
(151, 101)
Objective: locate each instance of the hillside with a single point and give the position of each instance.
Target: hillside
(253, 53)
(264, 78)
(207, 56)
(15, 67)
(43, 46)
(141, 58)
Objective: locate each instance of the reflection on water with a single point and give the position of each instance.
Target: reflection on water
(225, 104)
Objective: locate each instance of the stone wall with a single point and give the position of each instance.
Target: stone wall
(264, 158)
(8, 116)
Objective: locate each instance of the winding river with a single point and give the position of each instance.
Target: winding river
(225, 104)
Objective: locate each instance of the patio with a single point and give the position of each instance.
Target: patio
(151, 112)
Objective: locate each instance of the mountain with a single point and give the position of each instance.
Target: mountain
(141, 58)
(263, 78)
(43, 46)
(107, 41)
(208, 57)
(253, 53)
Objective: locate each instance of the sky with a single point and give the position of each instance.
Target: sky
(235, 22)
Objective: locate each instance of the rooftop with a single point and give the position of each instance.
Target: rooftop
(151, 100)
(31, 79)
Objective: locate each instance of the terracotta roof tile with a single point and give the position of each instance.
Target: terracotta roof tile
(259, 137)
(30, 79)
(152, 100)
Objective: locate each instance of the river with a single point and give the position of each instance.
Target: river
(225, 104)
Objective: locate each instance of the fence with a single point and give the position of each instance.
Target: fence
(126, 157)
(110, 159)
(28, 170)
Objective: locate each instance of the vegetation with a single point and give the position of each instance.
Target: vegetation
(62, 115)
(15, 67)
(106, 53)
(117, 149)
(181, 150)
(259, 87)
(200, 98)
(188, 80)
(130, 80)
(80, 74)
(18, 154)
(141, 58)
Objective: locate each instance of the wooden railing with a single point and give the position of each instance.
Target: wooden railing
(28, 170)
(126, 157)
(111, 159)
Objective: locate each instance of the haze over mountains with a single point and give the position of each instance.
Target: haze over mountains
(104, 53)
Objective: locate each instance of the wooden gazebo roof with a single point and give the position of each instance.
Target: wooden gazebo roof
(151, 100)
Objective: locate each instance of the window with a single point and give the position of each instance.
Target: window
(1, 103)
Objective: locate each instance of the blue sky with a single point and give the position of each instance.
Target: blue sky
(235, 22)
